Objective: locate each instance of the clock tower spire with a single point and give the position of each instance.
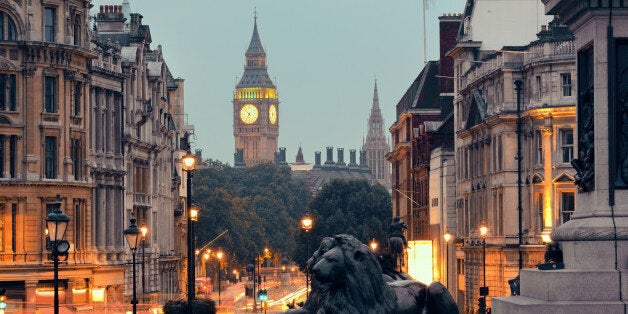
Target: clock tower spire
(256, 107)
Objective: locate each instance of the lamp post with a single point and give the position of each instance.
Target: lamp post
(219, 256)
(143, 231)
(483, 289)
(447, 237)
(306, 224)
(56, 224)
(132, 235)
(188, 164)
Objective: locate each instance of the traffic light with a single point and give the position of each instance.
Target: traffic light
(262, 295)
(3, 299)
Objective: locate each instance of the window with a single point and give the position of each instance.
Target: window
(567, 206)
(50, 92)
(2, 208)
(7, 92)
(538, 87)
(77, 30)
(50, 17)
(539, 148)
(8, 31)
(13, 226)
(77, 100)
(12, 155)
(51, 157)
(539, 206)
(565, 79)
(566, 139)
(77, 160)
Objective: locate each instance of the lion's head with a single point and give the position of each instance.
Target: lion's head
(349, 279)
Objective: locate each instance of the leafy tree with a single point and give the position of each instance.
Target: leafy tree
(352, 207)
(259, 206)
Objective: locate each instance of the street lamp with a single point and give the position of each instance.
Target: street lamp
(306, 224)
(447, 237)
(219, 256)
(189, 164)
(483, 289)
(56, 224)
(373, 245)
(143, 231)
(132, 235)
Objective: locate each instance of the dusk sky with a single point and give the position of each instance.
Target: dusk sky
(323, 56)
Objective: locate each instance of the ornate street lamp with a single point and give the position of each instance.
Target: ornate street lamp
(132, 235)
(56, 224)
(219, 256)
(483, 289)
(306, 224)
(144, 232)
(447, 237)
(188, 163)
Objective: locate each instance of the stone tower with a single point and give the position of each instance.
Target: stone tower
(256, 107)
(376, 146)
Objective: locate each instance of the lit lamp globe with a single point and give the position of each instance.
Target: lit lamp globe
(144, 231)
(483, 230)
(307, 222)
(373, 245)
(188, 162)
(447, 236)
(219, 255)
(194, 214)
(57, 223)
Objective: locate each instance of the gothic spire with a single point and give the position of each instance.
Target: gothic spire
(255, 47)
(375, 97)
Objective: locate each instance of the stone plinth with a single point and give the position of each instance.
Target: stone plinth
(564, 291)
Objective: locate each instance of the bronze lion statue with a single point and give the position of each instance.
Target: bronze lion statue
(347, 278)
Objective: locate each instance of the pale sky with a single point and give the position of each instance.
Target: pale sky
(323, 56)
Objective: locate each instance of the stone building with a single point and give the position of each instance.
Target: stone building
(486, 144)
(256, 108)
(424, 125)
(152, 126)
(595, 239)
(44, 146)
(376, 144)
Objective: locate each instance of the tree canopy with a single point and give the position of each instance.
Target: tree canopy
(261, 207)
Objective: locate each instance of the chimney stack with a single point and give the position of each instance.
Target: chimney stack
(352, 162)
(341, 157)
(317, 159)
(330, 156)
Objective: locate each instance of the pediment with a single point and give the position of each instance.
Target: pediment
(477, 113)
(537, 178)
(564, 177)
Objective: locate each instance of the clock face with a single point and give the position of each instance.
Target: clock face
(272, 114)
(248, 114)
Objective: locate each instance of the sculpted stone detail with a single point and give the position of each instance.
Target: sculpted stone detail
(584, 165)
(348, 278)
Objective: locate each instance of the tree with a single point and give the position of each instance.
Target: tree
(353, 207)
(259, 206)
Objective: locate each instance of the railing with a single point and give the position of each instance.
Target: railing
(550, 50)
(141, 199)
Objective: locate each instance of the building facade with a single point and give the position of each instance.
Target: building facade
(44, 146)
(256, 108)
(376, 144)
(147, 131)
(487, 142)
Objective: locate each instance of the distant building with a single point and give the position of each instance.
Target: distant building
(318, 174)
(376, 145)
(255, 109)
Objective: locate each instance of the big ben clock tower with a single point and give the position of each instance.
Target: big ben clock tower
(256, 108)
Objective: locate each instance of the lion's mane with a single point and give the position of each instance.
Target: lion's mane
(354, 283)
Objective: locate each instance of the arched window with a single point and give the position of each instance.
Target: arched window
(8, 31)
